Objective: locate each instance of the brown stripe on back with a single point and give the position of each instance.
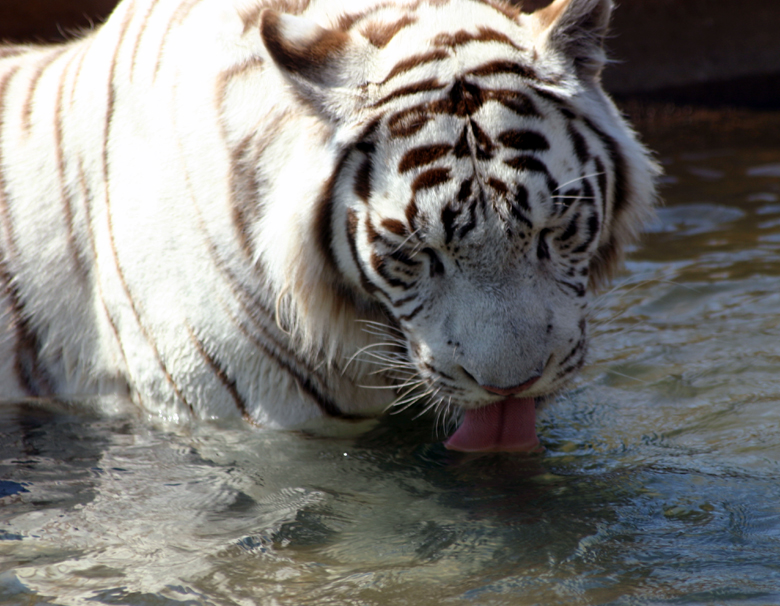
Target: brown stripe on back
(67, 201)
(32, 86)
(86, 195)
(380, 34)
(424, 86)
(179, 15)
(77, 75)
(416, 61)
(430, 178)
(421, 156)
(484, 34)
(228, 383)
(5, 213)
(139, 36)
(111, 100)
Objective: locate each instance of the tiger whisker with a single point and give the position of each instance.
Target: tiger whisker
(363, 350)
(400, 405)
(580, 178)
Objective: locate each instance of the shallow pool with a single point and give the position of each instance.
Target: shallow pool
(660, 483)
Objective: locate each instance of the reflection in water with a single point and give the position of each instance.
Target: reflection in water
(658, 485)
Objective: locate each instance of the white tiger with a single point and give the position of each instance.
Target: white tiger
(240, 207)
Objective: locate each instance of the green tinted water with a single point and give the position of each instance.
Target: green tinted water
(660, 483)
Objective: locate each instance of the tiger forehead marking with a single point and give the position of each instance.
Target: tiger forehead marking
(274, 204)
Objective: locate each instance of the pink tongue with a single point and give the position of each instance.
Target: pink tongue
(508, 426)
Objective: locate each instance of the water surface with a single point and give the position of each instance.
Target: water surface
(659, 483)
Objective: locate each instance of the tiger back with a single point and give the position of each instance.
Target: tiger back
(296, 210)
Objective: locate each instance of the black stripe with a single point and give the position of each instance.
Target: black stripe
(424, 86)
(323, 210)
(593, 230)
(485, 146)
(415, 61)
(430, 178)
(379, 264)
(505, 67)
(578, 289)
(579, 144)
(448, 217)
(519, 103)
(518, 206)
(525, 140)
(422, 156)
(351, 232)
(528, 164)
(412, 314)
(33, 376)
(571, 229)
(621, 193)
(471, 223)
(228, 382)
(269, 346)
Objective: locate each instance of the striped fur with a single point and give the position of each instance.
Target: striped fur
(236, 207)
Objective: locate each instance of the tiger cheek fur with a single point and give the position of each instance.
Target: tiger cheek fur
(266, 199)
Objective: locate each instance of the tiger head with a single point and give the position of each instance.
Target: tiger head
(483, 185)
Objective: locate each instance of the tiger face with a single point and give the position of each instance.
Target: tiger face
(485, 186)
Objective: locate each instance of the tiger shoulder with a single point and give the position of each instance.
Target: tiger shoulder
(305, 212)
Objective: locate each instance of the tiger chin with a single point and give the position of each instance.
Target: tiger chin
(305, 212)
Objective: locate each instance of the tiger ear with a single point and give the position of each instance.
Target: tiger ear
(322, 65)
(303, 48)
(577, 28)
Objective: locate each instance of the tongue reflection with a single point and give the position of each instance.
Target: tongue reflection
(506, 426)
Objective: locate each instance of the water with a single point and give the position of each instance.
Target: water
(659, 483)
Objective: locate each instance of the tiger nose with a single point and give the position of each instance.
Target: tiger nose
(510, 391)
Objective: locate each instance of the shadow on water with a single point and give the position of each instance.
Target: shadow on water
(658, 484)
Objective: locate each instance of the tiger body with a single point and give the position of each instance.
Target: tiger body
(226, 208)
